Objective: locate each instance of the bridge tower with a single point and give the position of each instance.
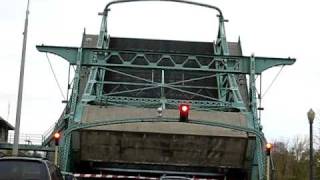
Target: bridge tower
(121, 83)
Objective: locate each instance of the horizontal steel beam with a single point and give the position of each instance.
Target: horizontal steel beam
(158, 102)
(230, 64)
(159, 172)
(92, 124)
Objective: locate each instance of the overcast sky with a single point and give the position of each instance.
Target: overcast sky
(267, 28)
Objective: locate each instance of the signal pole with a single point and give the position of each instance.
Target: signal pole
(268, 153)
(19, 101)
(56, 137)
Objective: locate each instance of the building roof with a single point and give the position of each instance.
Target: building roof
(4, 123)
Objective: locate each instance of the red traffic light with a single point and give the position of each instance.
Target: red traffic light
(56, 137)
(184, 108)
(184, 112)
(268, 148)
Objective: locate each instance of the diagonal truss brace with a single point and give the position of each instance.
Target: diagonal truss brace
(94, 94)
(99, 57)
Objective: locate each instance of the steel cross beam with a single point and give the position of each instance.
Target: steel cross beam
(100, 57)
(103, 40)
(106, 9)
(152, 119)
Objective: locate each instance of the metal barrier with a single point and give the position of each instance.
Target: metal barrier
(78, 176)
(49, 132)
(28, 139)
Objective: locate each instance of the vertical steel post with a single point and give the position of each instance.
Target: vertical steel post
(163, 97)
(66, 148)
(56, 155)
(268, 167)
(19, 101)
(102, 39)
(259, 171)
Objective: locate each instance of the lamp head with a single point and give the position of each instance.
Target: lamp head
(311, 114)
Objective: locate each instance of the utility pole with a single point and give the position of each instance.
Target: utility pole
(19, 101)
(8, 115)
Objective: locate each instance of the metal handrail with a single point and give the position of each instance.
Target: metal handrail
(28, 139)
(106, 9)
(49, 131)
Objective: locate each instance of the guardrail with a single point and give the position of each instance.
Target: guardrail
(73, 176)
(49, 132)
(28, 139)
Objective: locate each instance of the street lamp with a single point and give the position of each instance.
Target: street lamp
(311, 116)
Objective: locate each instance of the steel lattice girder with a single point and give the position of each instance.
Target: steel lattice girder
(100, 57)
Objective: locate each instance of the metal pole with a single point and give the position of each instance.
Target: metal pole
(268, 167)
(19, 101)
(311, 152)
(56, 155)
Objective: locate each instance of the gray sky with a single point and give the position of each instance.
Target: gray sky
(266, 27)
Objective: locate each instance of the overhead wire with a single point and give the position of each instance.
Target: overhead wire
(272, 82)
(55, 77)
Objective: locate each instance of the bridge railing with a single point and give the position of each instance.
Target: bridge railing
(28, 139)
(49, 131)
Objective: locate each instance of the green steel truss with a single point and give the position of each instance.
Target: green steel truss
(229, 64)
(220, 65)
(223, 67)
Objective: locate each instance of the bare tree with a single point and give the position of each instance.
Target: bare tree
(291, 158)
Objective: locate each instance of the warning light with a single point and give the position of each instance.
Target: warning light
(184, 112)
(56, 137)
(268, 146)
(184, 108)
(268, 149)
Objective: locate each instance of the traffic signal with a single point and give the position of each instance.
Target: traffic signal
(56, 137)
(184, 112)
(268, 149)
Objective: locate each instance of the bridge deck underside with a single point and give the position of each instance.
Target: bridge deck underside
(172, 143)
(160, 148)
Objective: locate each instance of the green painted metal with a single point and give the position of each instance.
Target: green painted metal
(100, 57)
(222, 49)
(259, 159)
(221, 65)
(94, 93)
(103, 35)
(65, 155)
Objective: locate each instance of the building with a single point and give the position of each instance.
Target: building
(4, 129)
